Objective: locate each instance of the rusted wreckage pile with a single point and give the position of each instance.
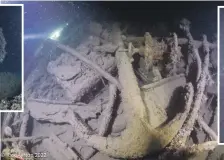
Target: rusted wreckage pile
(118, 95)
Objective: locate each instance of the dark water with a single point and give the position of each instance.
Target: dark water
(44, 17)
(203, 15)
(10, 21)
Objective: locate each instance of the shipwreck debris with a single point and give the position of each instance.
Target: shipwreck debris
(144, 108)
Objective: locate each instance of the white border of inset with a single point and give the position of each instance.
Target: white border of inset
(22, 49)
(218, 79)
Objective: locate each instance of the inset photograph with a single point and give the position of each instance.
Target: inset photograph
(11, 48)
(221, 67)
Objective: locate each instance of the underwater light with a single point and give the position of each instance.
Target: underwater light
(34, 36)
(56, 34)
